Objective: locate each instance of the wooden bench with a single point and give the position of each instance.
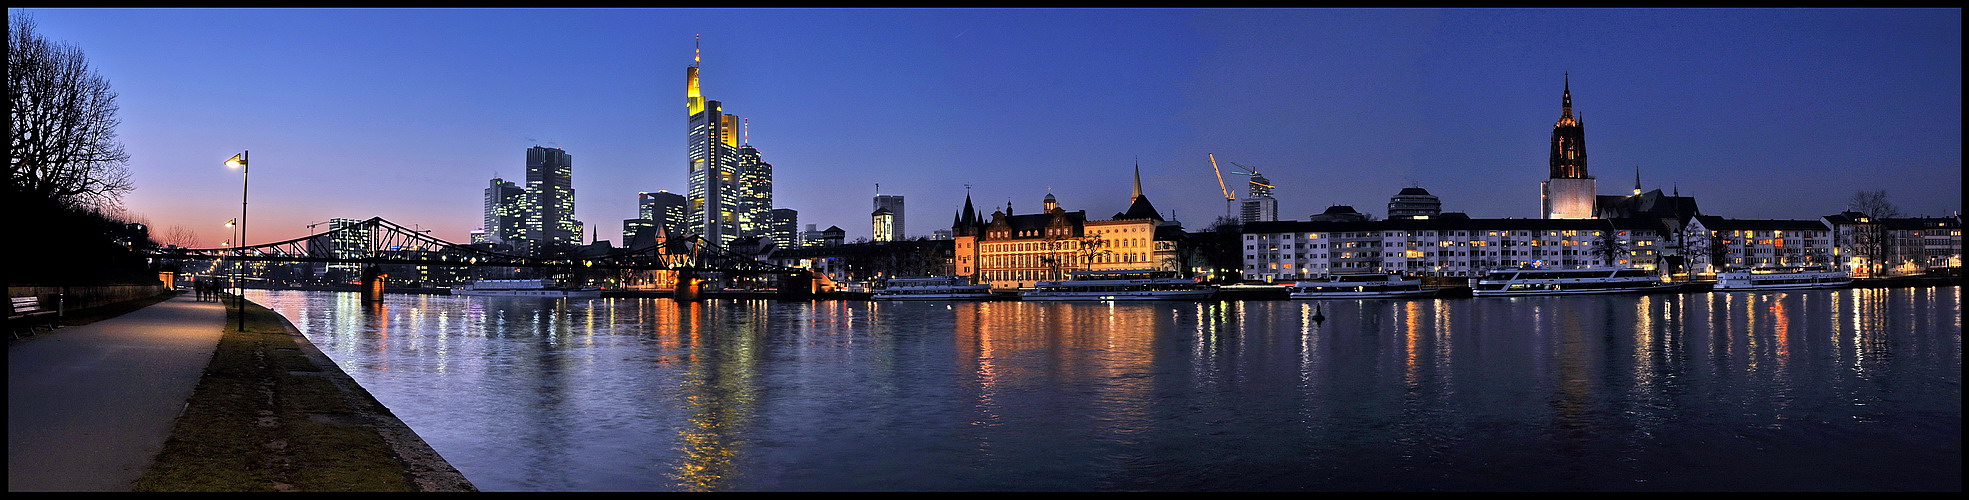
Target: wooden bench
(28, 312)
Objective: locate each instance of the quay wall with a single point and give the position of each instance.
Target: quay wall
(83, 297)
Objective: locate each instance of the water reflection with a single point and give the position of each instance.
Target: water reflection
(1848, 389)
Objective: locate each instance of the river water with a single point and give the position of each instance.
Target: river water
(1813, 390)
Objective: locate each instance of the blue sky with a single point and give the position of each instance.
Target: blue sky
(405, 113)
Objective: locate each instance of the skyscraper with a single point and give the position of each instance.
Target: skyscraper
(785, 227)
(892, 202)
(713, 171)
(663, 209)
(755, 193)
(550, 186)
(506, 206)
(1569, 192)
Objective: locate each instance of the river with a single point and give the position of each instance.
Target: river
(1855, 389)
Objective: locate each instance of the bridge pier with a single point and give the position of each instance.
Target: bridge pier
(689, 287)
(372, 284)
(797, 286)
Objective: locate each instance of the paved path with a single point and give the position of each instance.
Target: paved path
(89, 406)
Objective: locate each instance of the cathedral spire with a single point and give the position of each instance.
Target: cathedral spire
(1637, 179)
(1138, 183)
(1566, 99)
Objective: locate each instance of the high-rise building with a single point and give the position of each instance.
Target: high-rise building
(550, 186)
(785, 227)
(664, 209)
(1259, 205)
(755, 193)
(812, 237)
(892, 202)
(1414, 203)
(713, 199)
(638, 233)
(1569, 192)
(506, 207)
(349, 240)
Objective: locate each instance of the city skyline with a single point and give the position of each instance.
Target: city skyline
(1761, 114)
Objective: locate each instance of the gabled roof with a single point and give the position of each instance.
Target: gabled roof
(1140, 209)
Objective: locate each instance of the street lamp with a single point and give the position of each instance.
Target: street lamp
(246, 173)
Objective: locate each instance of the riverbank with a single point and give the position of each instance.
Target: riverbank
(272, 413)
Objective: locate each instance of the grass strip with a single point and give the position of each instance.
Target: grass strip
(263, 419)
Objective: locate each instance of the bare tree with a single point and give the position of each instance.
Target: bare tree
(180, 236)
(63, 115)
(1874, 204)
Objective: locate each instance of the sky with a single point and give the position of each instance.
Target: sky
(407, 113)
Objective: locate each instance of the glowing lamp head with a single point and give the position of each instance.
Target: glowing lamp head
(237, 161)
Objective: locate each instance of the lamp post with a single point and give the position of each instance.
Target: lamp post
(239, 283)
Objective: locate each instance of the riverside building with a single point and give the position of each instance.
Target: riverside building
(1451, 245)
(1011, 251)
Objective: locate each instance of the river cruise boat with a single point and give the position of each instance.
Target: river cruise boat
(933, 288)
(1592, 280)
(525, 288)
(1120, 284)
(1782, 278)
(1360, 286)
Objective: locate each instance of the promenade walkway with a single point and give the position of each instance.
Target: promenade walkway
(89, 406)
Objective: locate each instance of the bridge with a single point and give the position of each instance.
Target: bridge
(376, 242)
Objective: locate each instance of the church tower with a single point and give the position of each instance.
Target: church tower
(1568, 193)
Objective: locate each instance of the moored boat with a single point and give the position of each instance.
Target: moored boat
(1359, 286)
(525, 288)
(1782, 278)
(1120, 284)
(1582, 281)
(933, 288)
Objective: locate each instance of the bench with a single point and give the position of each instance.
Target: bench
(28, 311)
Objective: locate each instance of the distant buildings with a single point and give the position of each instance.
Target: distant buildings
(882, 224)
(731, 193)
(664, 209)
(1414, 203)
(895, 229)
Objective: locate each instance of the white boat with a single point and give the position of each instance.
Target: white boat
(1359, 286)
(525, 288)
(1120, 284)
(1591, 280)
(933, 288)
(1782, 278)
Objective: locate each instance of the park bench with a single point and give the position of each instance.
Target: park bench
(29, 313)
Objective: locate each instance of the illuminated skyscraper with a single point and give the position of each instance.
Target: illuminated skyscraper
(713, 199)
(755, 193)
(1568, 193)
(506, 206)
(785, 227)
(663, 209)
(550, 188)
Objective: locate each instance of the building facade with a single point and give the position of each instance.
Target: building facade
(882, 224)
(1716, 244)
(1414, 203)
(1008, 250)
(785, 224)
(1445, 247)
(663, 209)
(1259, 205)
(712, 150)
(755, 193)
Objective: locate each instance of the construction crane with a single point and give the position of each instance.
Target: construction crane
(1255, 181)
(1229, 199)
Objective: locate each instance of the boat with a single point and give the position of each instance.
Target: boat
(1782, 278)
(1360, 286)
(933, 288)
(1582, 281)
(1120, 284)
(525, 288)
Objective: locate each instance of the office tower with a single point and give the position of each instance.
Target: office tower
(755, 193)
(1414, 203)
(785, 232)
(812, 237)
(713, 171)
(638, 233)
(893, 203)
(1568, 193)
(665, 209)
(550, 186)
(506, 207)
